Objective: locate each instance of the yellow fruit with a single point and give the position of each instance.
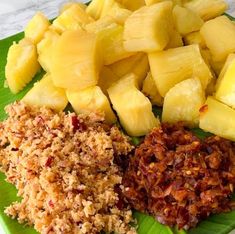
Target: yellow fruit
(225, 90)
(217, 65)
(207, 9)
(149, 28)
(91, 100)
(224, 69)
(175, 65)
(100, 24)
(36, 28)
(219, 35)
(119, 14)
(44, 48)
(106, 78)
(22, 65)
(67, 5)
(175, 40)
(192, 24)
(183, 101)
(112, 44)
(133, 108)
(151, 2)
(95, 8)
(44, 93)
(217, 118)
(137, 64)
(75, 60)
(74, 18)
(194, 38)
(132, 5)
(150, 90)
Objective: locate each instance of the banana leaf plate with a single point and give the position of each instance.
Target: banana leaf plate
(219, 224)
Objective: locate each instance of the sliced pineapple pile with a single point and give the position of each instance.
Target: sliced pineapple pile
(129, 55)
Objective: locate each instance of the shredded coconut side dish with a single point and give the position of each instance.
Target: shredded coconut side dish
(63, 166)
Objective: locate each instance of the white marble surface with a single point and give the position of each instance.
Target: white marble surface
(14, 14)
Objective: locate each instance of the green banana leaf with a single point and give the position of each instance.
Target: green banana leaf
(219, 224)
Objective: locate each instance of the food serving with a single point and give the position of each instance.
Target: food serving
(68, 144)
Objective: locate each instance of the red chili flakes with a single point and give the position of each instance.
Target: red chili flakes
(51, 204)
(179, 178)
(49, 162)
(78, 125)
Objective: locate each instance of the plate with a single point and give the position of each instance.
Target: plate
(219, 224)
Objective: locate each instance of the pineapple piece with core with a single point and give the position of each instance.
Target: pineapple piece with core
(175, 40)
(67, 5)
(225, 90)
(183, 101)
(106, 78)
(90, 100)
(95, 8)
(74, 18)
(111, 40)
(156, 24)
(132, 5)
(175, 65)
(219, 35)
(137, 64)
(192, 24)
(44, 48)
(22, 65)
(227, 63)
(217, 118)
(100, 24)
(75, 60)
(133, 108)
(150, 90)
(44, 93)
(207, 9)
(195, 38)
(36, 28)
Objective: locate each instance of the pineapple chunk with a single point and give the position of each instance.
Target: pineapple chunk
(112, 44)
(137, 64)
(156, 22)
(107, 6)
(219, 35)
(195, 38)
(151, 2)
(175, 40)
(183, 101)
(150, 90)
(44, 48)
(119, 14)
(67, 5)
(227, 63)
(192, 24)
(132, 5)
(95, 8)
(175, 65)
(133, 108)
(217, 65)
(22, 65)
(207, 9)
(217, 118)
(90, 100)
(36, 28)
(225, 91)
(73, 18)
(106, 78)
(75, 60)
(100, 24)
(44, 93)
